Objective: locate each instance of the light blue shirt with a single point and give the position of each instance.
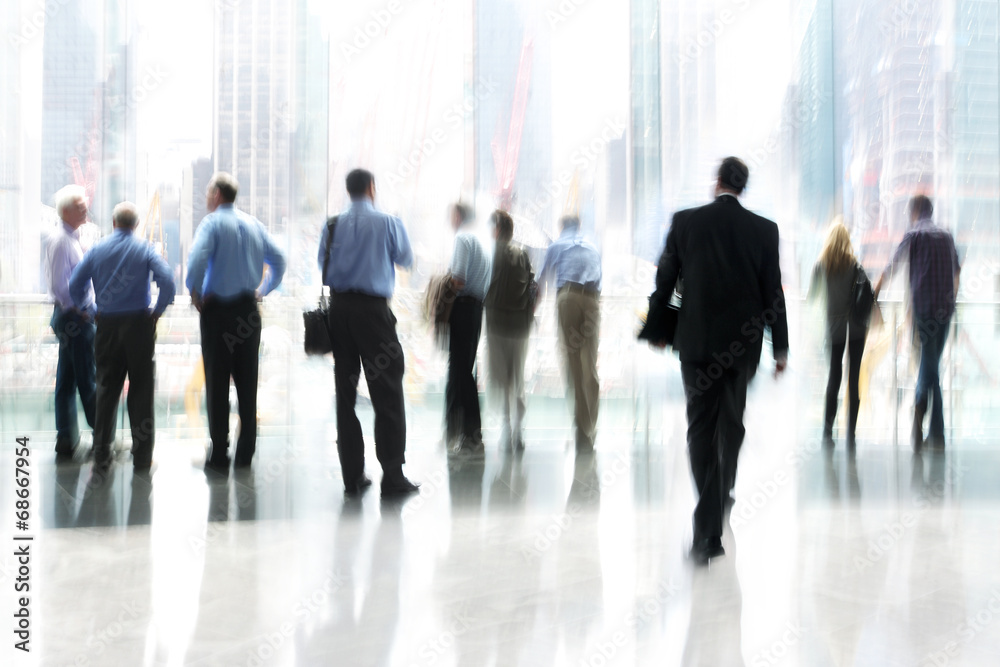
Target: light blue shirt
(228, 256)
(119, 267)
(470, 264)
(574, 260)
(367, 244)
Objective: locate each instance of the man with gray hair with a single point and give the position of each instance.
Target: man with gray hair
(73, 327)
(119, 267)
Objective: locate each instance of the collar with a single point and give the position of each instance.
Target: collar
(122, 231)
(362, 204)
(75, 233)
(727, 194)
(924, 223)
(227, 204)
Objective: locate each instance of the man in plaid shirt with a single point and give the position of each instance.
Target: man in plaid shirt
(934, 271)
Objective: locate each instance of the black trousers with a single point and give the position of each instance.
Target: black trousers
(124, 345)
(855, 350)
(363, 334)
(230, 347)
(462, 415)
(716, 401)
(75, 372)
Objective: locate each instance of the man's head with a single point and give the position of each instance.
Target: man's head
(125, 216)
(222, 189)
(570, 222)
(361, 184)
(732, 177)
(503, 226)
(920, 208)
(71, 205)
(460, 215)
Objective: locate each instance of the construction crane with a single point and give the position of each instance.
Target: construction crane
(505, 159)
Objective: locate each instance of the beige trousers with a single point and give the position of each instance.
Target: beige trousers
(579, 329)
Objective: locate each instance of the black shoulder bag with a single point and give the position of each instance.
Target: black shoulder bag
(862, 298)
(317, 321)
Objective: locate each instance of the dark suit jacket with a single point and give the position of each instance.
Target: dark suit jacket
(727, 260)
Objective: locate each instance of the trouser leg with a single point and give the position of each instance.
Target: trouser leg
(245, 368)
(933, 335)
(215, 322)
(855, 352)
(462, 393)
(384, 364)
(67, 428)
(732, 405)
(111, 369)
(833, 384)
(141, 337)
(703, 449)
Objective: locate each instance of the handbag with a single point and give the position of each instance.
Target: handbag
(317, 321)
(862, 298)
(660, 323)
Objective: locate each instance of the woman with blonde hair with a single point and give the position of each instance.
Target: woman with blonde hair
(839, 271)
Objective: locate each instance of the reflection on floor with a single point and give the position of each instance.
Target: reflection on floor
(543, 559)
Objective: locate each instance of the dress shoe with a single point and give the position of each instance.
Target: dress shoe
(217, 466)
(917, 435)
(935, 443)
(398, 486)
(358, 486)
(242, 463)
(705, 549)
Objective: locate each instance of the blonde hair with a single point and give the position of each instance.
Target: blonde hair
(837, 253)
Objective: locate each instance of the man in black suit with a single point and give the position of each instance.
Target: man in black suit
(726, 259)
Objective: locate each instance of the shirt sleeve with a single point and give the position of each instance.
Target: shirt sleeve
(201, 251)
(275, 260)
(76, 286)
(164, 280)
(402, 253)
(546, 267)
(460, 258)
(321, 252)
(902, 250)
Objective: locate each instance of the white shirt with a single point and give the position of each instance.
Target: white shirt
(62, 253)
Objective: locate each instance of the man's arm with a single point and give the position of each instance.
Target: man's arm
(202, 250)
(78, 282)
(897, 257)
(402, 253)
(321, 252)
(669, 266)
(275, 260)
(774, 296)
(60, 273)
(164, 280)
(459, 263)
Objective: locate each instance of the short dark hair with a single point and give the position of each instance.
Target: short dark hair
(504, 224)
(358, 182)
(570, 221)
(733, 174)
(921, 206)
(226, 184)
(464, 211)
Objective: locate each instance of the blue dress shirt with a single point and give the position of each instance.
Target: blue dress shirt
(574, 260)
(366, 245)
(119, 267)
(228, 255)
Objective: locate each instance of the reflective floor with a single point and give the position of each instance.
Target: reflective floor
(543, 559)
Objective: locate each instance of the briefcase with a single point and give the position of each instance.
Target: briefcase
(317, 328)
(660, 323)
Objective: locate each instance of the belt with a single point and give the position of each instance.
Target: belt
(467, 299)
(581, 289)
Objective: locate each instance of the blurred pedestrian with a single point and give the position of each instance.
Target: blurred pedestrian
(934, 272)
(119, 267)
(836, 274)
(366, 246)
(226, 279)
(576, 263)
(509, 305)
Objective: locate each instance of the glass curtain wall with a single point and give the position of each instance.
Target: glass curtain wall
(616, 112)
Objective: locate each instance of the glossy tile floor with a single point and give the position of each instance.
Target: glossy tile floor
(539, 559)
